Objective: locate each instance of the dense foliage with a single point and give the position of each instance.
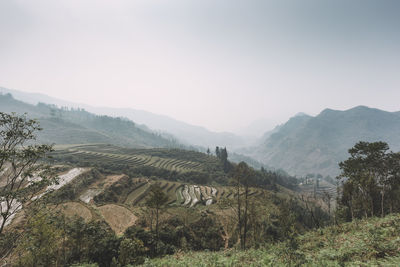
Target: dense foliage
(372, 242)
(370, 181)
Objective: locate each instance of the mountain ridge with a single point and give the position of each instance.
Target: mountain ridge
(77, 126)
(317, 144)
(186, 133)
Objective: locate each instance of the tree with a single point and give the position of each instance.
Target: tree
(39, 244)
(131, 251)
(242, 176)
(157, 201)
(217, 152)
(224, 159)
(369, 174)
(22, 175)
(222, 154)
(391, 181)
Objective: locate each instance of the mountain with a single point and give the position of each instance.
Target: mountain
(307, 144)
(77, 126)
(184, 132)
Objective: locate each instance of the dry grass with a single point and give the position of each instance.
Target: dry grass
(119, 218)
(71, 209)
(112, 179)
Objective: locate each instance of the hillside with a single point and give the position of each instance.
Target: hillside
(372, 242)
(185, 132)
(109, 184)
(77, 126)
(307, 144)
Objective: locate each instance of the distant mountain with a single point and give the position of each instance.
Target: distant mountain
(77, 126)
(307, 144)
(184, 132)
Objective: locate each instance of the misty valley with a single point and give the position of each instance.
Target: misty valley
(85, 189)
(199, 133)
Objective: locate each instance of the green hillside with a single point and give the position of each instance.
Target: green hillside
(77, 126)
(307, 144)
(372, 242)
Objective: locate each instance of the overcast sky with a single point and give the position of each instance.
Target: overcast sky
(219, 64)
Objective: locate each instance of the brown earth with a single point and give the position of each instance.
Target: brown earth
(119, 218)
(71, 209)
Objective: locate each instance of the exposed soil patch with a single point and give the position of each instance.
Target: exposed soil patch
(119, 218)
(71, 209)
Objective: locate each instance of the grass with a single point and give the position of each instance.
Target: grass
(136, 190)
(119, 218)
(71, 209)
(371, 242)
(134, 197)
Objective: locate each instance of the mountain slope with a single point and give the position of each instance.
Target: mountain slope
(308, 144)
(369, 242)
(77, 126)
(186, 133)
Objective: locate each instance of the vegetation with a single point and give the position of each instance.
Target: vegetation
(371, 181)
(169, 207)
(156, 202)
(21, 175)
(77, 126)
(368, 242)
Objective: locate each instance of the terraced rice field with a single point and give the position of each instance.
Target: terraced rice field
(192, 195)
(134, 160)
(180, 194)
(138, 193)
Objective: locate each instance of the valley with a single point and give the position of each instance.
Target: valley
(133, 185)
(199, 133)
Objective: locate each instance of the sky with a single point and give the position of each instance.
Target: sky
(222, 64)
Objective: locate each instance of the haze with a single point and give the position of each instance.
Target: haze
(219, 64)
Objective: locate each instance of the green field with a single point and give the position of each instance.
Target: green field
(158, 158)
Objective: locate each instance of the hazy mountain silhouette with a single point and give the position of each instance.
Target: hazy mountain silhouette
(184, 132)
(77, 126)
(307, 144)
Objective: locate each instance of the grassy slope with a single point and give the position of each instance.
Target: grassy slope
(372, 242)
(62, 126)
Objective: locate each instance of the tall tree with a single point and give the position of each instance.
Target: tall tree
(157, 201)
(217, 152)
(243, 175)
(390, 182)
(368, 175)
(22, 176)
(38, 246)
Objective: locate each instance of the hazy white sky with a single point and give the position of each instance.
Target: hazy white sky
(217, 63)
